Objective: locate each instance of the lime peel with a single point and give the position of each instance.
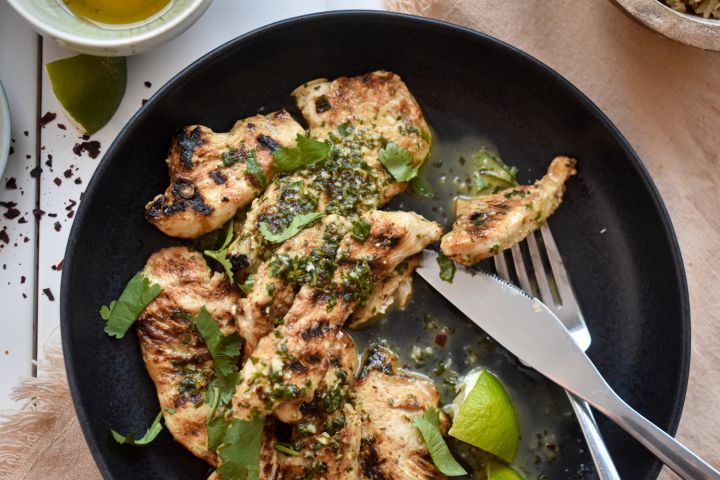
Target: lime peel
(89, 88)
(500, 471)
(486, 418)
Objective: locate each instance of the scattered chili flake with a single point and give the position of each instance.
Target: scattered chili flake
(47, 118)
(11, 183)
(57, 226)
(143, 101)
(10, 210)
(49, 294)
(92, 148)
(35, 172)
(68, 173)
(57, 181)
(52, 215)
(57, 267)
(78, 181)
(38, 213)
(49, 160)
(26, 133)
(61, 126)
(4, 236)
(71, 214)
(71, 204)
(22, 220)
(148, 84)
(441, 339)
(22, 279)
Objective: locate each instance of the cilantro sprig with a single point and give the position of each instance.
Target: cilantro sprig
(240, 450)
(123, 312)
(429, 426)
(361, 230)
(129, 439)
(308, 152)
(398, 162)
(253, 168)
(296, 224)
(221, 254)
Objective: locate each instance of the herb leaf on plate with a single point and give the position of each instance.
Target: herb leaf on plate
(491, 174)
(307, 152)
(447, 268)
(398, 162)
(123, 312)
(429, 426)
(240, 450)
(220, 255)
(149, 436)
(298, 223)
(253, 168)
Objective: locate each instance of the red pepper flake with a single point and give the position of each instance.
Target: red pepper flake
(71, 214)
(49, 160)
(441, 339)
(78, 181)
(71, 204)
(11, 183)
(22, 220)
(57, 181)
(35, 172)
(11, 212)
(92, 148)
(57, 226)
(38, 213)
(49, 294)
(61, 126)
(47, 118)
(4, 236)
(26, 133)
(148, 84)
(58, 266)
(68, 173)
(22, 279)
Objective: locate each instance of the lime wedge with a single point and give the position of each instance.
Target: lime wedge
(485, 417)
(500, 471)
(89, 88)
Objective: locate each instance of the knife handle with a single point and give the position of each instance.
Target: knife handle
(601, 457)
(671, 452)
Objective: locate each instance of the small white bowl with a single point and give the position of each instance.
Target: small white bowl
(53, 20)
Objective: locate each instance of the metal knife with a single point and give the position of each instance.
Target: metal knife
(527, 328)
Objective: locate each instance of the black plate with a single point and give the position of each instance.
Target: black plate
(630, 280)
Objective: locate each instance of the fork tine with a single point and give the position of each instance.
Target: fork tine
(567, 296)
(501, 266)
(519, 263)
(540, 274)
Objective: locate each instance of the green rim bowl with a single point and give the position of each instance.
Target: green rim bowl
(53, 20)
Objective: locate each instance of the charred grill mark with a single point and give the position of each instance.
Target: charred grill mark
(387, 240)
(370, 460)
(239, 262)
(188, 144)
(218, 177)
(296, 366)
(186, 194)
(268, 143)
(317, 330)
(377, 360)
(478, 218)
(322, 104)
(314, 358)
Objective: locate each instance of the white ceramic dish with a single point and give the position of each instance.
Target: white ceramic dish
(4, 130)
(685, 28)
(52, 19)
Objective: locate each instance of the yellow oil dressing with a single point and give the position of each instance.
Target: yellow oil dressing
(116, 12)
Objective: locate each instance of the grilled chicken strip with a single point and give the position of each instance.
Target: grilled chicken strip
(328, 439)
(377, 101)
(358, 116)
(175, 355)
(286, 367)
(212, 175)
(392, 290)
(490, 224)
(388, 399)
(304, 258)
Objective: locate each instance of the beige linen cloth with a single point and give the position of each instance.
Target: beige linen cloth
(665, 98)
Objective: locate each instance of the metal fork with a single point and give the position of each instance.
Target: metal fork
(552, 287)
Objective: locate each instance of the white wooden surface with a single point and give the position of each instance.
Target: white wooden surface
(64, 179)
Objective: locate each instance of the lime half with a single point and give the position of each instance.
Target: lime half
(500, 471)
(485, 417)
(89, 88)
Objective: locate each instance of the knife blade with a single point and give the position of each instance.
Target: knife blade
(531, 331)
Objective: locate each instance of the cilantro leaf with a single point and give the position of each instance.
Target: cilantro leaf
(240, 450)
(123, 312)
(298, 223)
(254, 168)
(220, 255)
(225, 349)
(361, 230)
(398, 162)
(149, 436)
(447, 268)
(307, 152)
(216, 429)
(429, 426)
(491, 174)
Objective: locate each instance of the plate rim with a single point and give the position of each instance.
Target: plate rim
(375, 15)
